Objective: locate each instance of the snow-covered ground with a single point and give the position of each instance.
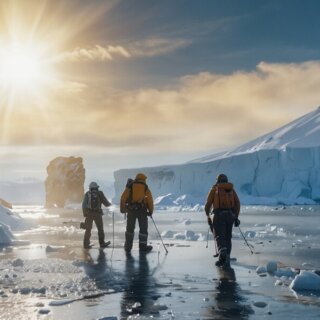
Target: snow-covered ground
(54, 278)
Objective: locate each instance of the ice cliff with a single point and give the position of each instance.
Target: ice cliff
(281, 167)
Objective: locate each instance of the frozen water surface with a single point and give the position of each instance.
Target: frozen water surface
(54, 278)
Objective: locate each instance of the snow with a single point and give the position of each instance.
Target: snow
(281, 167)
(306, 280)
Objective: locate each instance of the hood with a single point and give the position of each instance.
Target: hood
(141, 176)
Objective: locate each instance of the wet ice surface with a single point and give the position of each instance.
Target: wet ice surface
(54, 278)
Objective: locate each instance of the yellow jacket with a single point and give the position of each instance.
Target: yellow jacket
(139, 194)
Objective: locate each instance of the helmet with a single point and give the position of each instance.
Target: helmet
(93, 185)
(222, 178)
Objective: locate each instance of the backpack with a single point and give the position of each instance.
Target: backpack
(136, 205)
(223, 197)
(94, 202)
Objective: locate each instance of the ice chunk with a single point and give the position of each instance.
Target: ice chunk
(260, 304)
(191, 236)
(6, 236)
(285, 272)
(261, 269)
(17, 263)
(306, 280)
(179, 236)
(272, 266)
(250, 234)
(167, 234)
(44, 311)
(187, 222)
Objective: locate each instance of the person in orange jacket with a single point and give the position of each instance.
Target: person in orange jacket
(224, 203)
(137, 201)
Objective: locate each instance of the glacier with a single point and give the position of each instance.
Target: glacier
(281, 167)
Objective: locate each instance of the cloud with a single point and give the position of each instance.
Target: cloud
(96, 53)
(204, 112)
(152, 47)
(69, 86)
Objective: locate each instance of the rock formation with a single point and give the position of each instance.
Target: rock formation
(5, 203)
(65, 181)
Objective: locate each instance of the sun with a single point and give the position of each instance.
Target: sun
(21, 67)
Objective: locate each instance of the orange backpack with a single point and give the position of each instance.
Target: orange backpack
(223, 196)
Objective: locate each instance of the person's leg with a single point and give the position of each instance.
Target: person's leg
(219, 225)
(229, 225)
(99, 224)
(129, 235)
(229, 237)
(143, 232)
(87, 234)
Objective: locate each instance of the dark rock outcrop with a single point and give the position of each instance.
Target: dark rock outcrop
(65, 181)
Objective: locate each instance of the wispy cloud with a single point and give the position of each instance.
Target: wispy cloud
(96, 53)
(157, 46)
(150, 47)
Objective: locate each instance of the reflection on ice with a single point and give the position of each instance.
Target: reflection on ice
(140, 292)
(229, 301)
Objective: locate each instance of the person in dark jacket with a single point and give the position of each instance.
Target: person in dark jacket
(92, 211)
(137, 201)
(224, 203)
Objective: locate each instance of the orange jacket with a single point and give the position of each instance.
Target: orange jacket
(139, 194)
(211, 196)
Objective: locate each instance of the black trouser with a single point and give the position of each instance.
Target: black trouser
(142, 217)
(222, 224)
(97, 218)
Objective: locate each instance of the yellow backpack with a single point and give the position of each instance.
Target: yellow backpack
(223, 196)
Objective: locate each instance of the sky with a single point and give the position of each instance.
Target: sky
(143, 83)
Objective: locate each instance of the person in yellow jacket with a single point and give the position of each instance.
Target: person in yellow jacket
(137, 201)
(224, 203)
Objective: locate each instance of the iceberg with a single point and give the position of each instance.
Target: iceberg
(281, 167)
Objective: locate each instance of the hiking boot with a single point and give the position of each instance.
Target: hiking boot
(88, 246)
(145, 249)
(222, 258)
(105, 244)
(219, 263)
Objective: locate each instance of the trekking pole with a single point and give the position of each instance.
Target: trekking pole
(159, 234)
(215, 242)
(112, 234)
(208, 238)
(246, 241)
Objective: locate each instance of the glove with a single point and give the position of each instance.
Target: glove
(209, 221)
(149, 214)
(237, 222)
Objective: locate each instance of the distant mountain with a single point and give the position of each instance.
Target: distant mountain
(281, 167)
